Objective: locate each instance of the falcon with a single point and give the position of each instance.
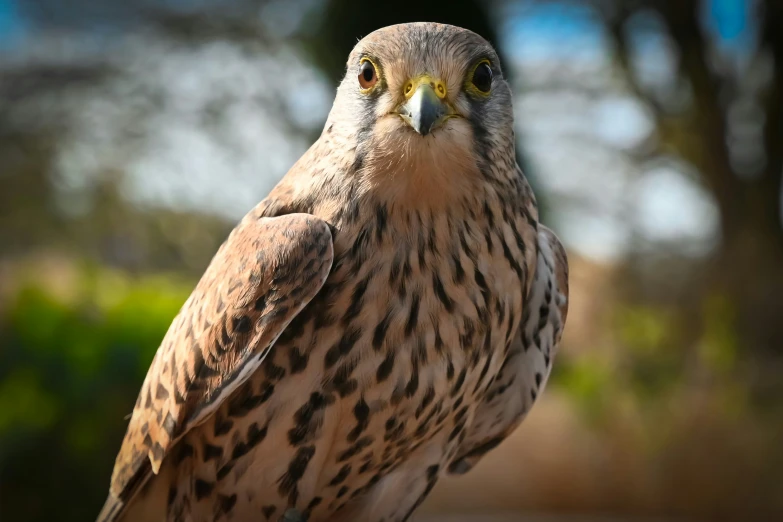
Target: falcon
(386, 316)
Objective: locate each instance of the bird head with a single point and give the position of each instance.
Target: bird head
(424, 99)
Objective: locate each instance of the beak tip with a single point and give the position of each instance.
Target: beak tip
(418, 125)
(423, 110)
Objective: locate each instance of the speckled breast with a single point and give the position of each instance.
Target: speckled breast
(384, 366)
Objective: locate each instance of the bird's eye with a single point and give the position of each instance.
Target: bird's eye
(482, 77)
(368, 77)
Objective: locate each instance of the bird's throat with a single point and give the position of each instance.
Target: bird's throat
(426, 172)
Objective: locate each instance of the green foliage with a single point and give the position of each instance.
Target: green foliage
(652, 356)
(24, 403)
(587, 383)
(642, 366)
(719, 345)
(652, 360)
(71, 363)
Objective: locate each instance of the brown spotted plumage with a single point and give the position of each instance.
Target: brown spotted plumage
(387, 315)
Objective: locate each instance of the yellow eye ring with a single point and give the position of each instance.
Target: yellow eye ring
(368, 75)
(479, 81)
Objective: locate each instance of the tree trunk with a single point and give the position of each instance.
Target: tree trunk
(748, 267)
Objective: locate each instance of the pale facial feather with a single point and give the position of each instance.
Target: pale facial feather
(424, 172)
(398, 164)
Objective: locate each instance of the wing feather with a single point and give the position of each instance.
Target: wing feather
(265, 273)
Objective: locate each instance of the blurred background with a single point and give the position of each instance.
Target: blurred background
(134, 134)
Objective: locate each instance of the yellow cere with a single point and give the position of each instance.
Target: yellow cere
(425, 79)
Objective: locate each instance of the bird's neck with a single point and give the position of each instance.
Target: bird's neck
(401, 179)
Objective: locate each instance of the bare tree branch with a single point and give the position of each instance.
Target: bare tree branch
(772, 40)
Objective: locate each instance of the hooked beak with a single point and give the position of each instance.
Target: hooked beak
(425, 108)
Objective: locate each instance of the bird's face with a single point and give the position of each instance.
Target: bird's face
(426, 99)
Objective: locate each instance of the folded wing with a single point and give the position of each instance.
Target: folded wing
(265, 273)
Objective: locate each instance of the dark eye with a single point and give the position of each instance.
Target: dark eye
(482, 77)
(367, 75)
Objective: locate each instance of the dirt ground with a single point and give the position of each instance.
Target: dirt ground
(518, 517)
(532, 517)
